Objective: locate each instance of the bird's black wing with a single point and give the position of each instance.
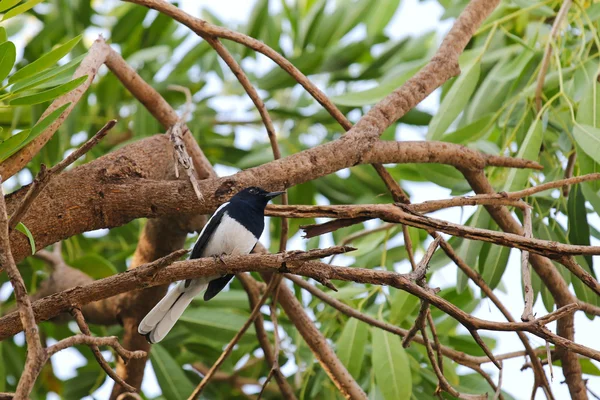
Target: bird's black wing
(216, 285)
(207, 232)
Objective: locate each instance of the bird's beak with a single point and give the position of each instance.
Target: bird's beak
(272, 195)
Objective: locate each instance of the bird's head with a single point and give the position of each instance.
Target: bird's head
(255, 195)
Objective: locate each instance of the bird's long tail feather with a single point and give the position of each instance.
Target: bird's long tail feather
(161, 319)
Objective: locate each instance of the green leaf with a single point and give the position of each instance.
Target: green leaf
(173, 382)
(25, 231)
(588, 138)
(48, 95)
(312, 22)
(2, 372)
(455, 100)
(492, 267)
(381, 15)
(579, 228)
(217, 323)
(94, 265)
(6, 4)
(23, 138)
(385, 86)
(256, 23)
(21, 9)
(8, 55)
(47, 77)
(390, 365)
(529, 150)
(469, 133)
(351, 345)
(44, 61)
(470, 249)
(11, 145)
(3, 35)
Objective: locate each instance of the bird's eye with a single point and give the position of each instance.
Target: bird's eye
(253, 191)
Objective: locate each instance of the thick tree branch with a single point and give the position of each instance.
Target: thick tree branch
(44, 176)
(128, 184)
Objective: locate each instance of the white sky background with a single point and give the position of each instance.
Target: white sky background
(413, 18)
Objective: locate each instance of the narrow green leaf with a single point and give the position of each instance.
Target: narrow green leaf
(493, 266)
(2, 372)
(312, 23)
(579, 228)
(222, 324)
(8, 55)
(6, 4)
(469, 133)
(48, 95)
(23, 138)
(529, 149)
(173, 382)
(256, 23)
(3, 35)
(24, 230)
(94, 265)
(455, 100)
(44, 61)
(13, 144)
(385, 86)
(588, 138)
(391, 366)
(470, 249)
(47, 77)
(381, 15)
(351, 345)
(21, 9)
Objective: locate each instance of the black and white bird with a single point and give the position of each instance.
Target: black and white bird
(234, 229)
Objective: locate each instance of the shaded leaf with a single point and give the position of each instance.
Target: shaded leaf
(25, 231)
(390, 366)
(173, 382)
(351, 345)
(8, 54)
(455, 100)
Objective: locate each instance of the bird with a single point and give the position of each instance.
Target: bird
(234, 229)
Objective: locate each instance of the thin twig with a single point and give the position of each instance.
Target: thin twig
(252, 289)
(78, 315)
(549, 360)
(198, 390)
(180, 153)
(525, 271)
(499, 388)
(111, 341)
(562, 13)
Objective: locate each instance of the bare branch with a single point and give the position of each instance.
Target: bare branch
(96, 351)
(525, 272)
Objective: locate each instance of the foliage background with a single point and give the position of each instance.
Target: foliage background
(358, 54)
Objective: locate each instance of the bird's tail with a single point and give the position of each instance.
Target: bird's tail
(161, 319)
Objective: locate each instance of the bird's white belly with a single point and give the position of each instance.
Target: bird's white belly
(231, 238)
